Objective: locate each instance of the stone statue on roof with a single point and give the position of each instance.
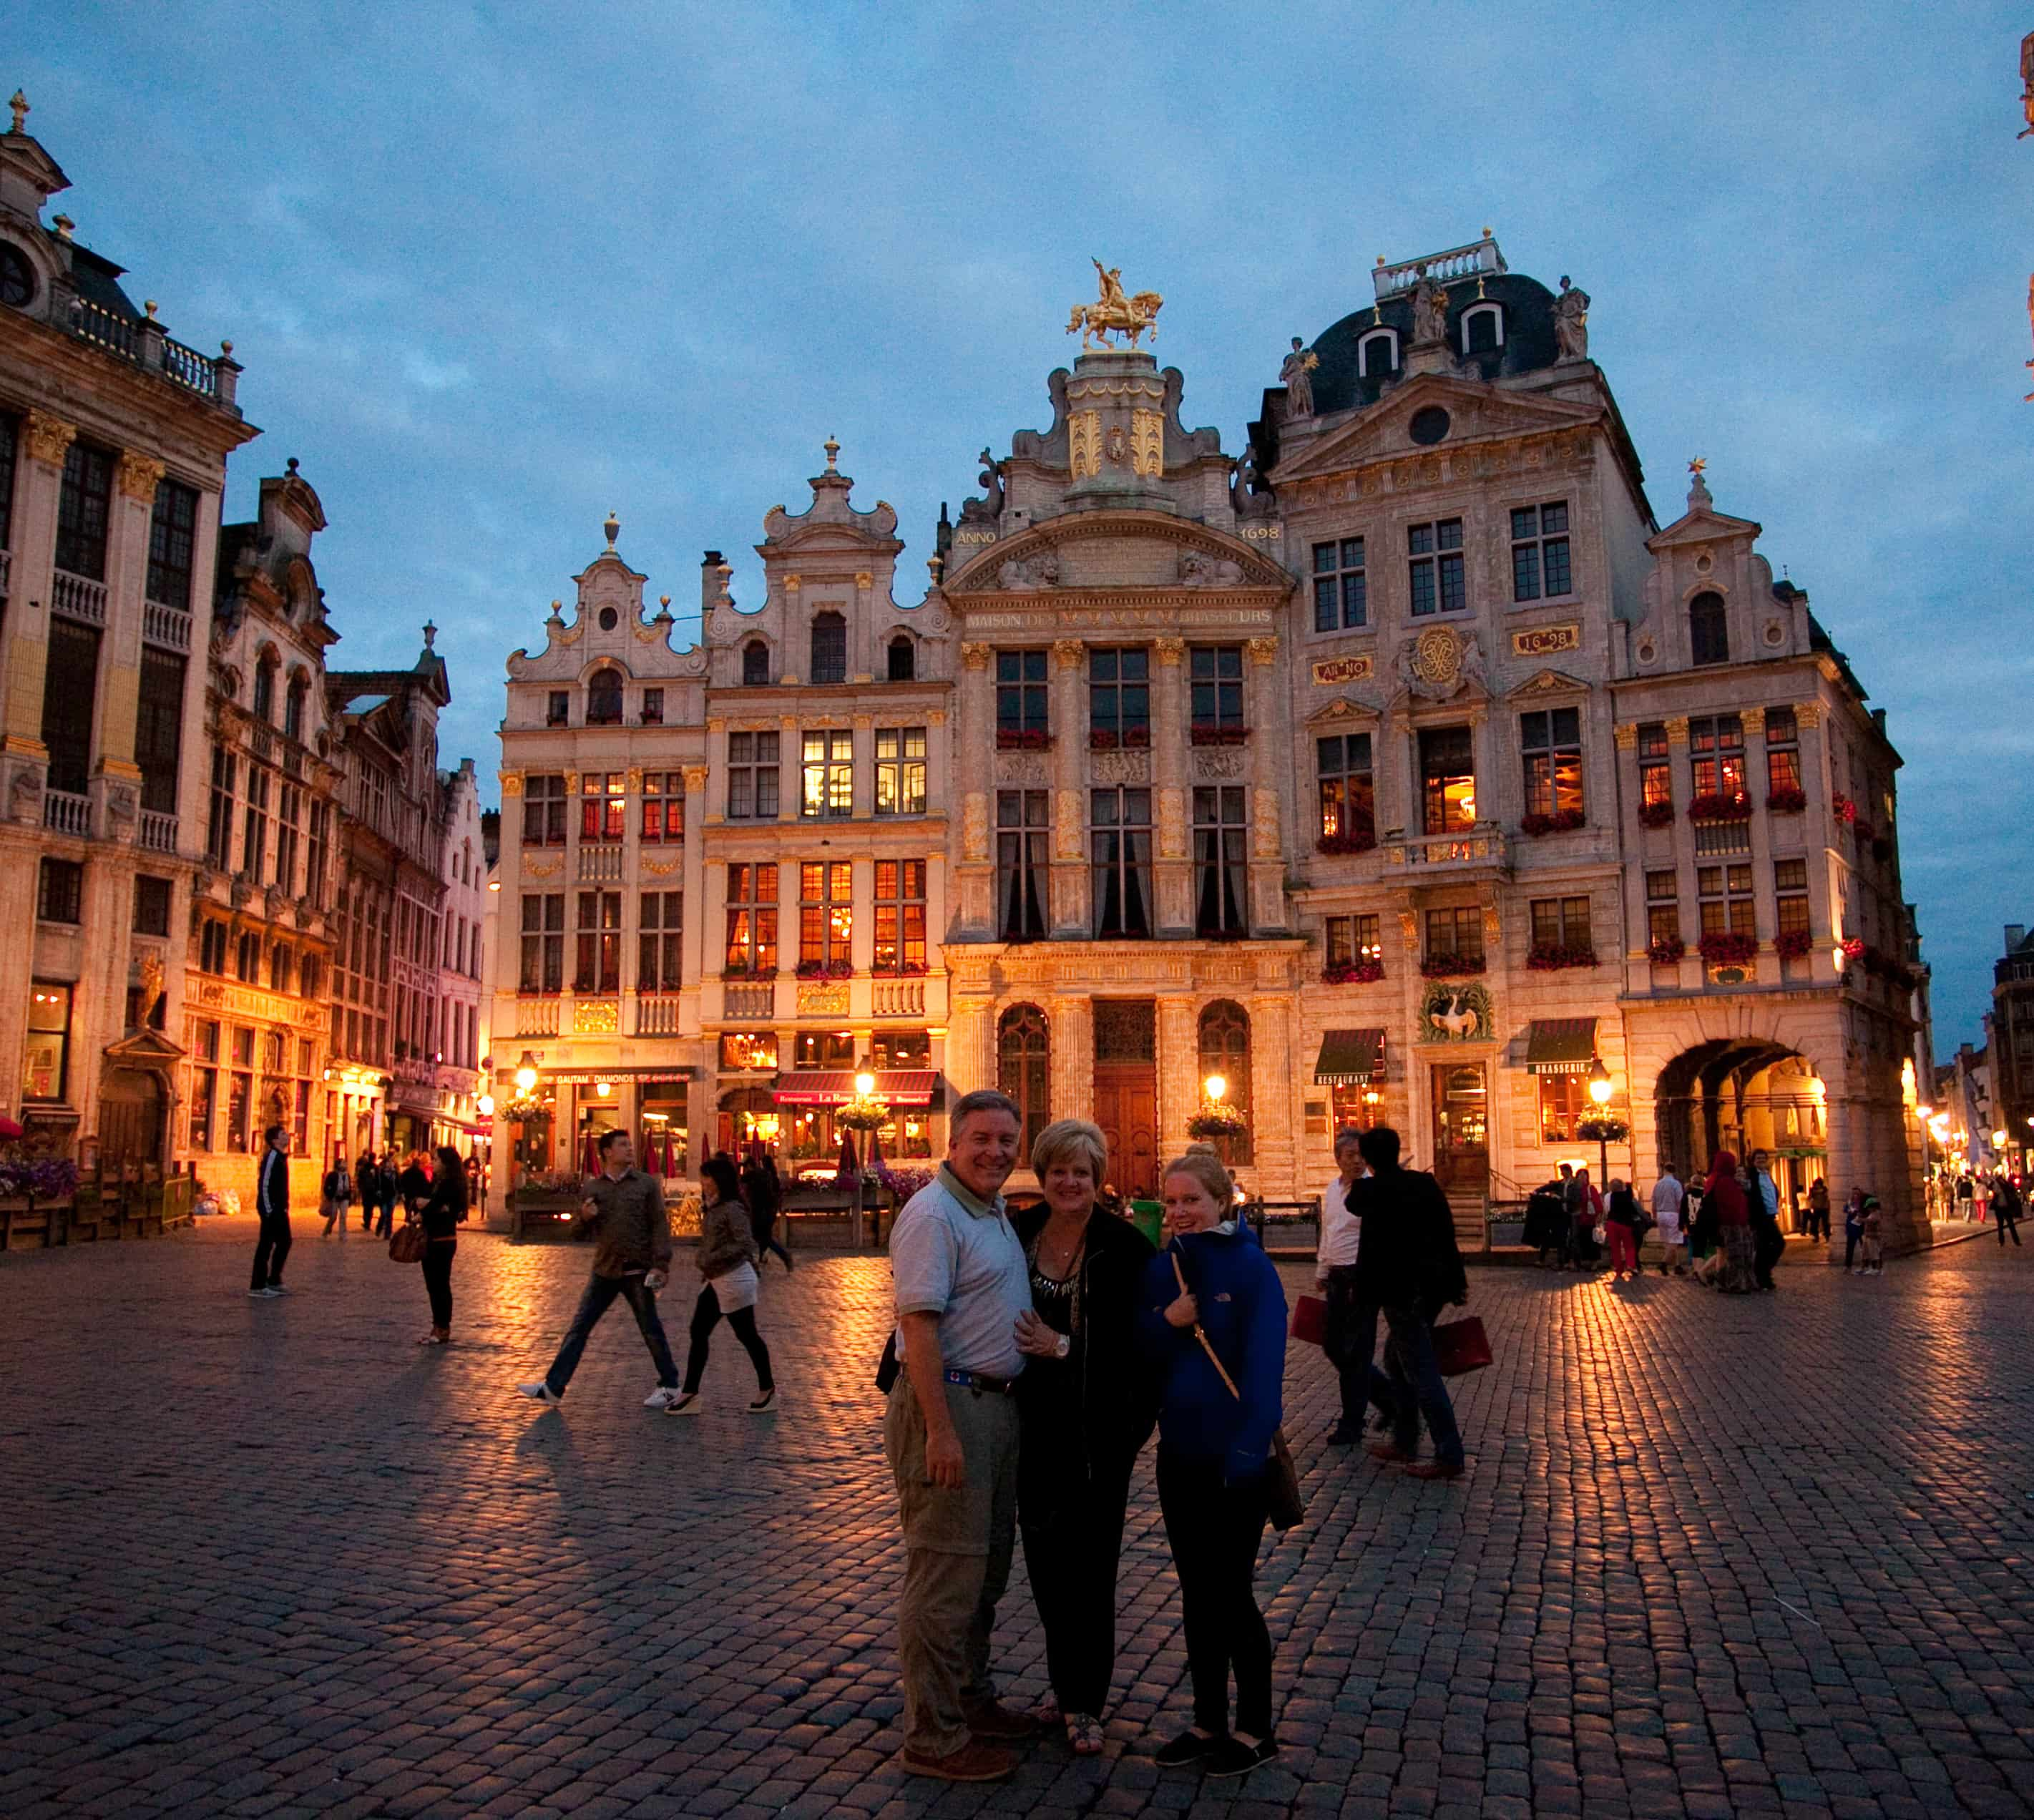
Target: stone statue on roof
(1296, 376)
(1571, 322)
(1114, 314)
(1430, 309)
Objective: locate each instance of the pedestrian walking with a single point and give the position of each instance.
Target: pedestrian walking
(950, 1434)
(367, 1181)
(1214, 1316)
(1410, 1268)
(1762, 1203)
(337, 1195)
(413, 1185)
(387, 1187)
(1350, 1340)
(1548, 1230)
(1585, 1214)
(2006, 1207)
(1622, 1219)
(442, 1211)
(271, 1208)
(765, 1199)
(632, 1259)
(1668, 1199)
(1818, 1209)
(727, 1264)
(1086, 1401)
(1853, 1228)
(1871, 1241)
(1737, 1276)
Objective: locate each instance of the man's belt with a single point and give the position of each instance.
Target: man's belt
(981, 1381)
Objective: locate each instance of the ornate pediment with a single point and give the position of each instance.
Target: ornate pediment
(1347, 709)
(143, 1049)
(1474, 413)
(1705, 526)
(1093, 552)
(1550, 682)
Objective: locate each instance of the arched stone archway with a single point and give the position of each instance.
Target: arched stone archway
(1745, 1093)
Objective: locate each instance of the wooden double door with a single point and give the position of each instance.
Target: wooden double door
(1126, 1107)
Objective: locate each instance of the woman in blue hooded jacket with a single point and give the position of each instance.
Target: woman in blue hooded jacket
(1213, 1315)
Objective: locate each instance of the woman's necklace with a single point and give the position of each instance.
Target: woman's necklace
(1069, 1254)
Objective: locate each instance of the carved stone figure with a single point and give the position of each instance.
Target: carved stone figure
(1571, 322)
(990, 507)
(24, 794)
(150, 969)
(1028, 575)
(1114, 314)
(121, 806)
(1430, 311)
(1247, 495)
(1296, 376)
(1199, 570)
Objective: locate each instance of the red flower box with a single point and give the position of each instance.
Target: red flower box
(1351, 973)
(1791, 944)
(1719, 808)
(1723, 950)
(1666, 951)
(1843, 809)
(1352, 840)
(1108, 739)
(1789, 800)
(825, 970)
(1552, 958)
(1656, 815)
(1563, 821)
(1449, 966)
(1853, 947)
(1102, 739)
(1205, 735)
(1022, 739)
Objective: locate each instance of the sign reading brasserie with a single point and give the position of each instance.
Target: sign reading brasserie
(1343, 670)
(1545, 640)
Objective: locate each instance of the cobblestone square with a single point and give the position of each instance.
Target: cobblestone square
(1712, 1557)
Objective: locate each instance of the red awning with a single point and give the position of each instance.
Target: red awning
(899, 1088)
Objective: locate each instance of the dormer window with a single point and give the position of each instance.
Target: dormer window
(754, 663)
(264, 689)
(904, 659)
(603, 699)
(1482, 329)
(1708, 630)
(557, 708)
(829, 648)
(1377, 354)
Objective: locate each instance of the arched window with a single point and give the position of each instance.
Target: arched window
(904, 659)
(829, 648)
(1225, 1050)
(264, 689)
(603, 699)
(1482, 329)
(1024, 1055)
(755, 662)
(1377, 354)
(293, 708)
(1709, 629)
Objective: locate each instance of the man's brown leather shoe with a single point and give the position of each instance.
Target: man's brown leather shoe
(1435, 1470)
(975, 1762)
(998, 1723)
(1390, 1450)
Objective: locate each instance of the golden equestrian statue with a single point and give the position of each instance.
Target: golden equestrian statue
(1114, 314)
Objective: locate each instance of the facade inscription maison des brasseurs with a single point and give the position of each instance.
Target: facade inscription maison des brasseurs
(1402, 769)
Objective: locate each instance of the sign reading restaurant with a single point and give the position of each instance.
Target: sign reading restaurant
(1343, 669)
(1545, 640)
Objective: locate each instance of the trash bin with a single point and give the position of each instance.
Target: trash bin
(1149, 1218)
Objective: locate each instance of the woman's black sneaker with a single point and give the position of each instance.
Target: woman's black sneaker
(1232, 1757)
(1188, 1747)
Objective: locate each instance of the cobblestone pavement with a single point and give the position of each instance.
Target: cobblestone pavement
(269, 1558)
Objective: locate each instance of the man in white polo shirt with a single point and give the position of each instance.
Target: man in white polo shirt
(1350, 1340)
(951, 1436)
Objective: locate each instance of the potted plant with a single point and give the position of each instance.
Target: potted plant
(1714, 806)
(1451, 966)
(1843, 809)
(1208, 733)
(1555, 957)
(1666, 951)
(1602, 1128)
(1213, 1123)
(1561, 821)
(1103, 739)
(1788, 799)
(1359, 837)
(1724, 949)
(1792, 944)
(1356, 972)
(1656, 814)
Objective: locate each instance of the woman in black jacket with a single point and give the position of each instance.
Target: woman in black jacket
(441, 1214)
(1085, 1404)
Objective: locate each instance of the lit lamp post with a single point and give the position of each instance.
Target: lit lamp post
(1599, 1091)
(867, 1114)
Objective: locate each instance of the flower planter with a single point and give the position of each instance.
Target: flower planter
(1566, 821)
(1353, 974)
(1335, 845)
(1656, 815)
(1667, 953)
(1729, 950)
(1220, 736)
(1788, 801)
(1550, 958)
(1031, 739)
(1449, 967)
(1717, 808)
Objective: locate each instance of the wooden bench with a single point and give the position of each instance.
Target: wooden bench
(548, 1218)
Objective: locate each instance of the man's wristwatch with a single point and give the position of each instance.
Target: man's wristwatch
(1065, 1346)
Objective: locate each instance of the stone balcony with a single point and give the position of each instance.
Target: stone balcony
(1482, 849)
(146, 344)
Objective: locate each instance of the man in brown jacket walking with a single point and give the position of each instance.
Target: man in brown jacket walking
(632, 1258)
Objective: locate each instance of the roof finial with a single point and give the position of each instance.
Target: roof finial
(430, 635)
(1698, 464)
(612, 527)
(20, 104)
(290, 467)
(65, 226)
(832, 449)
(1698, 489)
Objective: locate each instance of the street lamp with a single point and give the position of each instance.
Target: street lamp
(1217, 1086)
(526, 1074)
(1600, 1091)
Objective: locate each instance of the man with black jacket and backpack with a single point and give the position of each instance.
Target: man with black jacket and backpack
(1409, 1269)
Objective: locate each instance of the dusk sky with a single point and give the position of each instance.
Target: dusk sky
(494, 270)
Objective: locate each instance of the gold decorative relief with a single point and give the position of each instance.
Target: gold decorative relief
(695, 779)
(512, 783)
(1628, 736)
(863, 580)
(1753, 719)
(1171, 650)
(976, 656)
(50, 437)
(596, 1017)
(1340, 669)
(1677, 730)
(140, 476)
(1808, 713)
(1147, 444)
(661, 868)
(635, 780)
(1262, 650)
(1069, 653)
(540, 869)
(1084, 443)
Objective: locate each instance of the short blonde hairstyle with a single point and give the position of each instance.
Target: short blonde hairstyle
(1205, 1168)
(1071, 1140)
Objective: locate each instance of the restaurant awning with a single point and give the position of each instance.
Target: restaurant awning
(899, 1088)
(1560, 1046)
(1348, 1058)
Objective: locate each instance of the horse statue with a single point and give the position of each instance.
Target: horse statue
(1114, 314)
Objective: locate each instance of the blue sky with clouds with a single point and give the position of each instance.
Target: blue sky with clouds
(495, 270)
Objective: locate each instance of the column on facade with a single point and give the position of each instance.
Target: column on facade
(194, 747)
(939, 796)
(632, 882)
(1267, 908)
(1173, 884)
(1818, 826)
(1069, 723)
(970, 1046)
(1275, 1092)
(1070, 1025)
(1179, 1071)
(135, 478)
(693, 943)
(1769, 968)
(38, 489)
(864, 735)
(973, 768)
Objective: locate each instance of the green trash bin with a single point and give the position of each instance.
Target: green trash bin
(1149, 1218)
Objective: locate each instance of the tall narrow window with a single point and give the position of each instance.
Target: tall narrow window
(1656, 782)
(10, 438)
(1716, 756)
(1341, 590)
(254, 837)
(900, 916)
(264, 689)
(159, 728)
(289, 819)
(1020, 698)
(1448, 779)
(1222, 885)
(1662, 909)
(1539, 566)
(754, 663)
(204, 1083)
(1379, 353)
(663, 808)
(247, 959)
(900, 771)
(603, 812)
(829, 648)
(558, 708)
(603, 699)
(1790, 892)
(653, 708)
(543, 969)
(1434, 566)
(1551, 739)
(1709, 629)
(903, 666)
(60, 892)
(597, 967)
(751, 777)
(1023, 819)
(293, 708)
(1023, 1069)
(826, 917)
(1121, 840)
(1725, 892)
(1783, 757)
(544, 810)
(1225, 1050)
(70, 693)
(83, 504)
(172, 536)
(45, 1057)
(1455, 934)
(659, 957)
(1216, 676)
(829, 776)
(751, 922)
(151, 905)
(1348, 801)
(1119, 699)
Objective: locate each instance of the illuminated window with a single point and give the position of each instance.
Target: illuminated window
(1553, 742)
(752, 921)
(45, 1059)
(603, 815)
(1447, 775)
(826, 915)
(900, 916)
(900, 771)
(829, 776)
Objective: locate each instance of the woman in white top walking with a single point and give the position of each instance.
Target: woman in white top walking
(727, 1262)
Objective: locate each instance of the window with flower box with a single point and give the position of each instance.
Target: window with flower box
(1348, 799)
(900, 916)
(826, 919)
(598, 960)
(1540, 567)
(1728, 920)
(653, 708)
(1341, 591)
(1716, 759)
(1022, 722)
(1784, 792)
(900, 771)
(1121, 839)
(1434, 568)
(1790, 896)
(829, 776)
(1655, 777)
(1118, 700)
(1355, 951)
(1215, 675)
(544, 810)
(1551, 742)
(1560, 934)
(660, 924)
(751, 777)
(603, 816)
(1662, 917)
(1455, 940)
(663, 808)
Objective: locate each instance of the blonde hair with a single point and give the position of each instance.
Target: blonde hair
(1204, 1167)
(1066, 1140)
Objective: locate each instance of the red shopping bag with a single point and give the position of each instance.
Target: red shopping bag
(1310, 1320)
(1461, 1346)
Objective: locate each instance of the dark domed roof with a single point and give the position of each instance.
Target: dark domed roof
(1529, 337)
